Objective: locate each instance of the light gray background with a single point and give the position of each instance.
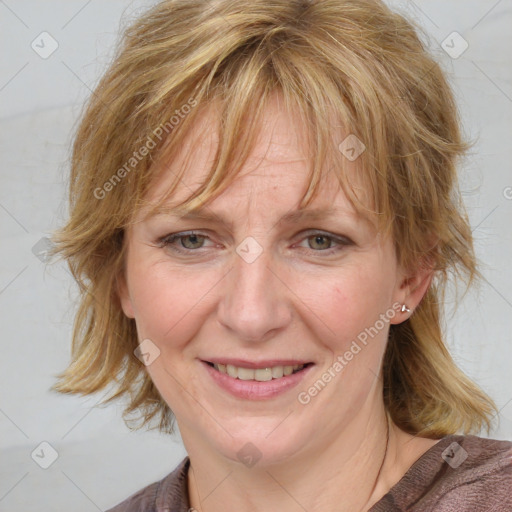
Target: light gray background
(100, 461)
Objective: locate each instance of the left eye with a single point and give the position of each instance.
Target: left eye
(322, 242)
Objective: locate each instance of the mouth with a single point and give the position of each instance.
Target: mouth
(250, 380)
(262, 373)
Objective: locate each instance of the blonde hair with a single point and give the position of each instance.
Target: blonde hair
(351, 65)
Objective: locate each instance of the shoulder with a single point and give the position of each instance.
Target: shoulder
(477, 472)
(167, 494)
(463, 473)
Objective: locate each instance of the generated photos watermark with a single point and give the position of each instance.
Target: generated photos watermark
(305, 397)
(143, 151)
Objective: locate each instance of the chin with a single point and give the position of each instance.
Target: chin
(253, 443)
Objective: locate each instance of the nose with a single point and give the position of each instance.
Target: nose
(255, 303)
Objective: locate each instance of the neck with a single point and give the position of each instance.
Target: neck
(349, 473)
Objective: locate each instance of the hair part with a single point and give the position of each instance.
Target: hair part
(344, 67)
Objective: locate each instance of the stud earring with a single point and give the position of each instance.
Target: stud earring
(405, 309)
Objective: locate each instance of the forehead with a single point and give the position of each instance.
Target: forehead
(279, 163)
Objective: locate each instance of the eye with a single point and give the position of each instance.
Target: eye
(322, 242)
(326, 243)
(192, 241)
(188, 241)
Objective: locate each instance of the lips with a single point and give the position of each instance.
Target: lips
(251, 380)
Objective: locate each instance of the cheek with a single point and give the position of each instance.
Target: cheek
(352, 309)
(349, 303)
(169, 304)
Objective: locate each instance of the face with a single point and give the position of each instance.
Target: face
(296, 309)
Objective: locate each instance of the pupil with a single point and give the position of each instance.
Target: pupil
(190, 240)
(319, 239)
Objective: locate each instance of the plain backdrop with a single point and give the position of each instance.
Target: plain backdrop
(99, 461)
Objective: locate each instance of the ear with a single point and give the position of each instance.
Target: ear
(124, 295)
(411, 288)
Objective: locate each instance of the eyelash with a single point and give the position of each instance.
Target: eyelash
(168, 242)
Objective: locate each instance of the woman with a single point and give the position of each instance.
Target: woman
(264, 215)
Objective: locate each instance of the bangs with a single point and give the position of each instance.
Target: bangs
(324, 123)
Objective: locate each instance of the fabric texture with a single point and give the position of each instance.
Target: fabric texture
(458, 474)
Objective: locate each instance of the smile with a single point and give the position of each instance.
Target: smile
(256, 380)
(258, 374)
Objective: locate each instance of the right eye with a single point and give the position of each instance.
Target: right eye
(189, 241)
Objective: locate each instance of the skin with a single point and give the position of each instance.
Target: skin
(292, 301)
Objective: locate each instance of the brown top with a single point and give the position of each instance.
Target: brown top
(458, 474)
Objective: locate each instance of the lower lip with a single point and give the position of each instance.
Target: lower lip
(255, 390)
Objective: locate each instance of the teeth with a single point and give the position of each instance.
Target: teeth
(277, 372)
(244, 373)
(287, 370)
(259, 374)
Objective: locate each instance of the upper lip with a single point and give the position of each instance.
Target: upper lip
(266, 363)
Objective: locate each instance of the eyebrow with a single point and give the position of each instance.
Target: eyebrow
(288, 218)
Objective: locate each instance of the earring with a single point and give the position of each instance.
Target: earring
(405, 309)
